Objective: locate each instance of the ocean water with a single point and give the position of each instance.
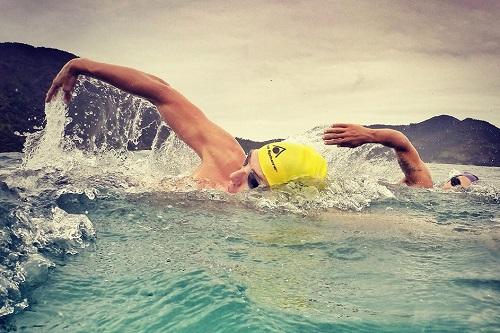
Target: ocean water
(97, 238)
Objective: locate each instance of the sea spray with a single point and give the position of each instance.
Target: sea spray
(86, 148)
(94, 136)
(31, 235)
(353, 180)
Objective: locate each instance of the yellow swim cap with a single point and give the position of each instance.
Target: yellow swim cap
(282, 162)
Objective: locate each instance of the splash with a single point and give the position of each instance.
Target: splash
(353, 181)
(107, 134)
(86, 149)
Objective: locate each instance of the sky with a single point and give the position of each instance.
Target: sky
(267, 69)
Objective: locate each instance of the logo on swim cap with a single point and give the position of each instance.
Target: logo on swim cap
(277, 150)
(271, 156)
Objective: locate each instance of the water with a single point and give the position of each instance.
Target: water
(95, 237)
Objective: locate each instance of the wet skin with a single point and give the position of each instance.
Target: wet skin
(239, 179)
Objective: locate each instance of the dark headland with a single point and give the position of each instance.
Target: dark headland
(26, 73)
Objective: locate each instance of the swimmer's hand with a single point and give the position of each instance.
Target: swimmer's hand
(348, 135)
(65, 79)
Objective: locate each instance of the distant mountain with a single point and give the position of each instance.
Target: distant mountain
(26, 73)
(445, 139)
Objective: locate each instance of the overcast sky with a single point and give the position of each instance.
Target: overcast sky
(265, 69)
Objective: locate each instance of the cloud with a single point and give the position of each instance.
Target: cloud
(283, 66)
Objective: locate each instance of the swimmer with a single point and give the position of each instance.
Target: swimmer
(464, 180)
(224, 164)
(416, 173)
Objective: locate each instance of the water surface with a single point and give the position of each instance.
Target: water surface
(96, 238)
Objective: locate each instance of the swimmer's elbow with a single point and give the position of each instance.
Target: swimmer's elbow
(401, 143)
(392, 139)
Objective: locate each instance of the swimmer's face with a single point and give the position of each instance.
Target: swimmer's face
(250, 172)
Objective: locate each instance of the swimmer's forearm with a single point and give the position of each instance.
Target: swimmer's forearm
(128, 79)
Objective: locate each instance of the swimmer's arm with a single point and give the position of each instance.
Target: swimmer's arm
(127, 79)
(416, 172)
(185, 119)
(348, 135)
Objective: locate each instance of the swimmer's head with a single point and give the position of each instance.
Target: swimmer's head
(278, 163)
(464, 180)
(282, 162)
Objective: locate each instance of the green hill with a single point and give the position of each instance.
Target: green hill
(26, 73)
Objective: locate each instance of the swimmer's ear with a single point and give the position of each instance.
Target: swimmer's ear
(239, 178)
